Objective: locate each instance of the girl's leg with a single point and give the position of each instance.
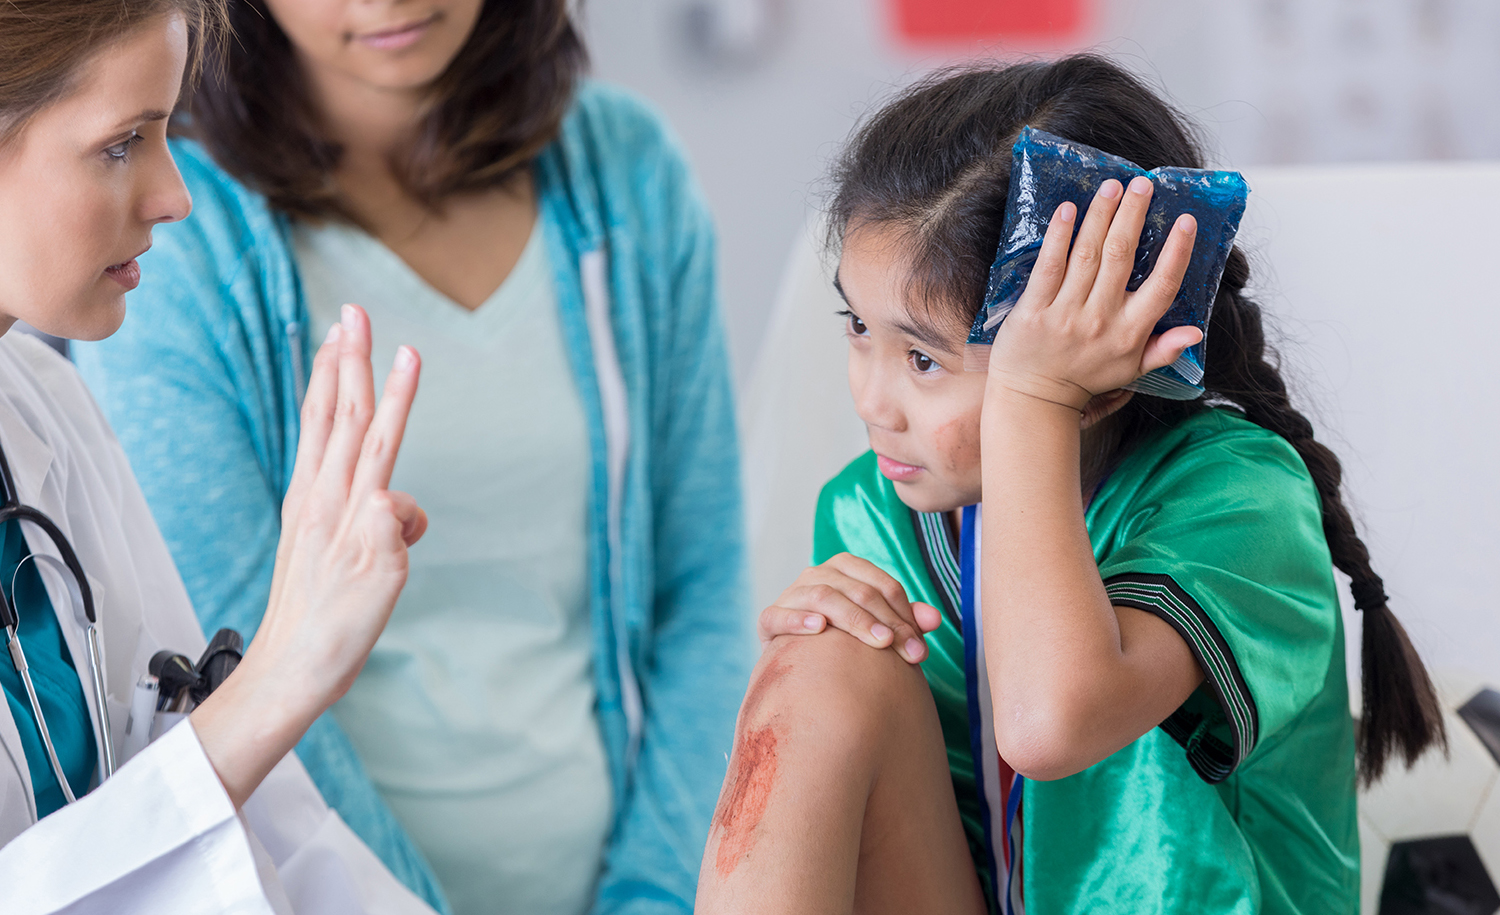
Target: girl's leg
(838, 797)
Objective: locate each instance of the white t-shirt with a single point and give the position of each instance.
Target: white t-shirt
(475, 714)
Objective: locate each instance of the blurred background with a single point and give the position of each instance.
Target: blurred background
(763, 91)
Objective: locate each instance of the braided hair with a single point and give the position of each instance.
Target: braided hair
(935, 163)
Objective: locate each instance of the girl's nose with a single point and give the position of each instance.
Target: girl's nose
(875, 400)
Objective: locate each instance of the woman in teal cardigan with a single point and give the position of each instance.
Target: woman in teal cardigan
(204, 381)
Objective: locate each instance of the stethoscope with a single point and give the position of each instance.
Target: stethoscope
(11, 509)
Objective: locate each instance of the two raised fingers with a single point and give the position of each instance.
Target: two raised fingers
(348, 446)
(317, 423)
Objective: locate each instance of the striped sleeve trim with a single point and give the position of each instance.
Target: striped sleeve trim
(1210, 757)
(942, 562)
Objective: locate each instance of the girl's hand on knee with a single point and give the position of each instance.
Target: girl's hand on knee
(854, 595)
(1076, 331)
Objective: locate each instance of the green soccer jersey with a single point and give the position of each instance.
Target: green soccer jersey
(1244, 799)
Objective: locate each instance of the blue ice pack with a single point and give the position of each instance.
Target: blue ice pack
(1047, 170)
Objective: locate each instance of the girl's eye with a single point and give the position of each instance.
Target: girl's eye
(856, 326)
(922, 362)
(121, 151)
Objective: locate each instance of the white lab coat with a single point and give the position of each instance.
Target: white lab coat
(161, 836)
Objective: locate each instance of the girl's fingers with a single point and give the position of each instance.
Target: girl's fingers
(1052, 260)
(777, 620)
(354, 407)
(382, 439)
(928, 616)
(883, 596)
(1083, 263)
(844, 613)
(1117, 255)
(1164, 348)
(1157, 294)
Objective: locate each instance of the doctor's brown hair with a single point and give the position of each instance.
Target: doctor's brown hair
(500, 101)
(935, 163)
(43, 44)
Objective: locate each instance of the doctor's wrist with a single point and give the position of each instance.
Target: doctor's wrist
(250, 722)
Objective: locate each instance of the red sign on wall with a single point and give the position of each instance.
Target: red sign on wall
(960, 20)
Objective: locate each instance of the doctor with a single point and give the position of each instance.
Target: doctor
(216, 815)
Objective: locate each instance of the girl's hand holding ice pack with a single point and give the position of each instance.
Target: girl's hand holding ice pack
(1048, 171)
(1077, 331)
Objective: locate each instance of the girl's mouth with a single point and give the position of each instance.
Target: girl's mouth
(400, 37)
(127, 274)
(895, 471)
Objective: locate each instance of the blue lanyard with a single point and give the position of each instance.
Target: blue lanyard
(993, 795)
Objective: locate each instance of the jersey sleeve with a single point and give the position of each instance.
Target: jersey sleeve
(1224, 541)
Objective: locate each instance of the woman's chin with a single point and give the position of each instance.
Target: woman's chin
(94, 320)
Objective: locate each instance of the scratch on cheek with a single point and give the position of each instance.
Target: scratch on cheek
(958, 443)
(752, 776)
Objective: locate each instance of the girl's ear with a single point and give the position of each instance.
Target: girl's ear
(1103, 405)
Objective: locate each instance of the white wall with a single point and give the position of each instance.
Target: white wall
(1272, 81)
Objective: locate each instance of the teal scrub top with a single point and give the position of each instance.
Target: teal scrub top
(52, 673)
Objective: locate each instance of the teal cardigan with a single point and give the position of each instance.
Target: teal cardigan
(202, 384)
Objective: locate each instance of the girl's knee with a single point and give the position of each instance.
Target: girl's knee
(833, 681)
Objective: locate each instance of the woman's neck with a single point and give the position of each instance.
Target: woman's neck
(373, 127)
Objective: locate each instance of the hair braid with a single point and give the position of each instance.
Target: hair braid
(1401, 709)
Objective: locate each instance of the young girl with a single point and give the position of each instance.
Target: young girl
(1137, 602)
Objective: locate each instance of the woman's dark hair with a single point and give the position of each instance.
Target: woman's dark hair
(496, 106)
(43, 44)
(935, 164)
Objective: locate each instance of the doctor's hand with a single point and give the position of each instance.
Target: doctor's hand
(340, 564)
(854, 595)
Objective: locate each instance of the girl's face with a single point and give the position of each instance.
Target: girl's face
(84, 182)
(920, 407)
(392, 45)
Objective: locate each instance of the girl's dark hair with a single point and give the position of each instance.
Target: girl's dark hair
(43, 43)
(496, 106)
(935, 164)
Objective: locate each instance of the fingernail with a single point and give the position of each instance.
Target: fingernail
(333, 334)
(1067, 211)
(346, 315)
(914, 648)
(880, 632)
(1109, 189)
(404, 359)
(1187, 224)
(812, 622)
(1140, 184)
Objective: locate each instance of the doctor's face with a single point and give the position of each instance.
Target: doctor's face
(919, 406)
(83, 183)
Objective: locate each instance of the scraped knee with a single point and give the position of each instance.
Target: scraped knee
(832, 683)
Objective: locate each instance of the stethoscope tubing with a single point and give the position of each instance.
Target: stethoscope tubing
(12, 510)
(18, 657)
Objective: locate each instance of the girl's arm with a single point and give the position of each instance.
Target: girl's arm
(1073, 679)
